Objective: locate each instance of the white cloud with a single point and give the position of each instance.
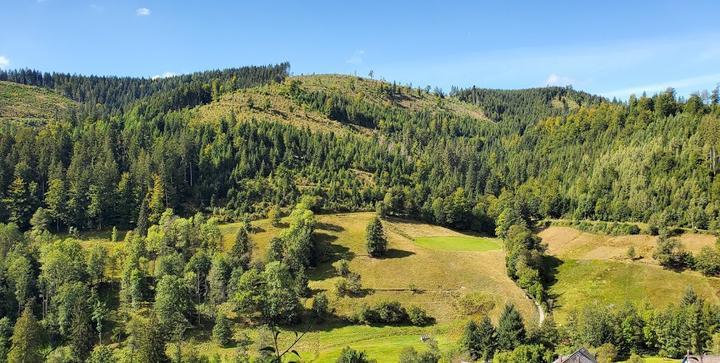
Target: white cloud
(555, 80)
(142, 12)
(4, 61)
(356, 58)
(164, 75)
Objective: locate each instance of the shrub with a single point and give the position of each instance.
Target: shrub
(669, 254)
(348, 286)
(418, 316)
(349, 355)
(343, 268)
(410, 355)
(386, 312)
(708, 261)
(320, 306)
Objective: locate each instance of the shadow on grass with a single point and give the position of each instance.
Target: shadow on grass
(550, 269)
(395, 253)
(329, 227)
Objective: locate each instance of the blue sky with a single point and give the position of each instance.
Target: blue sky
(613, 48)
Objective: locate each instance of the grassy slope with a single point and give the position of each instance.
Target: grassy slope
(444, 278)
(595, 268)
(284, 109)
(21, 102)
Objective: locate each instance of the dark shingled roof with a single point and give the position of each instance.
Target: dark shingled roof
(580, 356)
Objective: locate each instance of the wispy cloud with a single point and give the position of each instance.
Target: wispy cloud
(96, 7)
(356, 58)
(556, 80)
(595, 67)
(4, 61)
(661, 86)
(164, 75)
(142, 12)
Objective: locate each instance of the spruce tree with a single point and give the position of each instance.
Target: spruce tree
(376, 242)
(241, 251)
(511, 329)
(222, 332)
(26, 339)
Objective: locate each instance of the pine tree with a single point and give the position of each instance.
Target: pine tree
(18, 202)
(241, 252)
(143, 222)
(487, 342)
(376, 242)
(222, 332)
(151, 341)
(26, 339)
(56, 199)
(157, 201)
(511, 329)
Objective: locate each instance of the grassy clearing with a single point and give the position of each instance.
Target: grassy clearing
(595, 269)
(570, 243)
(581, 282)
(271, 103)
(459, 243)
(28, 103)
(452, 285)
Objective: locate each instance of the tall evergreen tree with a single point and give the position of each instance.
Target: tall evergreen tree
(376, 242)
(511, 329)
(26, 339)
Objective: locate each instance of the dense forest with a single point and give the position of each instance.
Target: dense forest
(135, 157)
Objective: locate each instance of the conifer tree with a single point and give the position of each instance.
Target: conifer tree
(376, 242)
(511, 329)
(26, 339)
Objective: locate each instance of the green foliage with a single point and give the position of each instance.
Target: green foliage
(392, 313)
(349, 355)
(418, 317)
(523, 354)
(410, 355)
(6, 330)
(172, 303)
(101, 354)
(320, 306)
(669, 254)
(708, 261)
(510, 329)
(479, 340)
(26, 339)
(222, 331)
(376, 241)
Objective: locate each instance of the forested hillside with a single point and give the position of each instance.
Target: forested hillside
(146, 218)
(356, 142)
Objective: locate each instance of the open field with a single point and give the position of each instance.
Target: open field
(594, 268)
(459, 243)
(452, 283)
(570, 243)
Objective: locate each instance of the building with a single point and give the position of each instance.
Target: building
(701, 358)
(579, 356)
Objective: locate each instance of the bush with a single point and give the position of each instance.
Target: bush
(349, 355)
(386, 312)
(392, 313)
(669, 254)
(320, 306)
(343, 268)
(410, 355)
(418, 316)
(708, 261)
(348, 286)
